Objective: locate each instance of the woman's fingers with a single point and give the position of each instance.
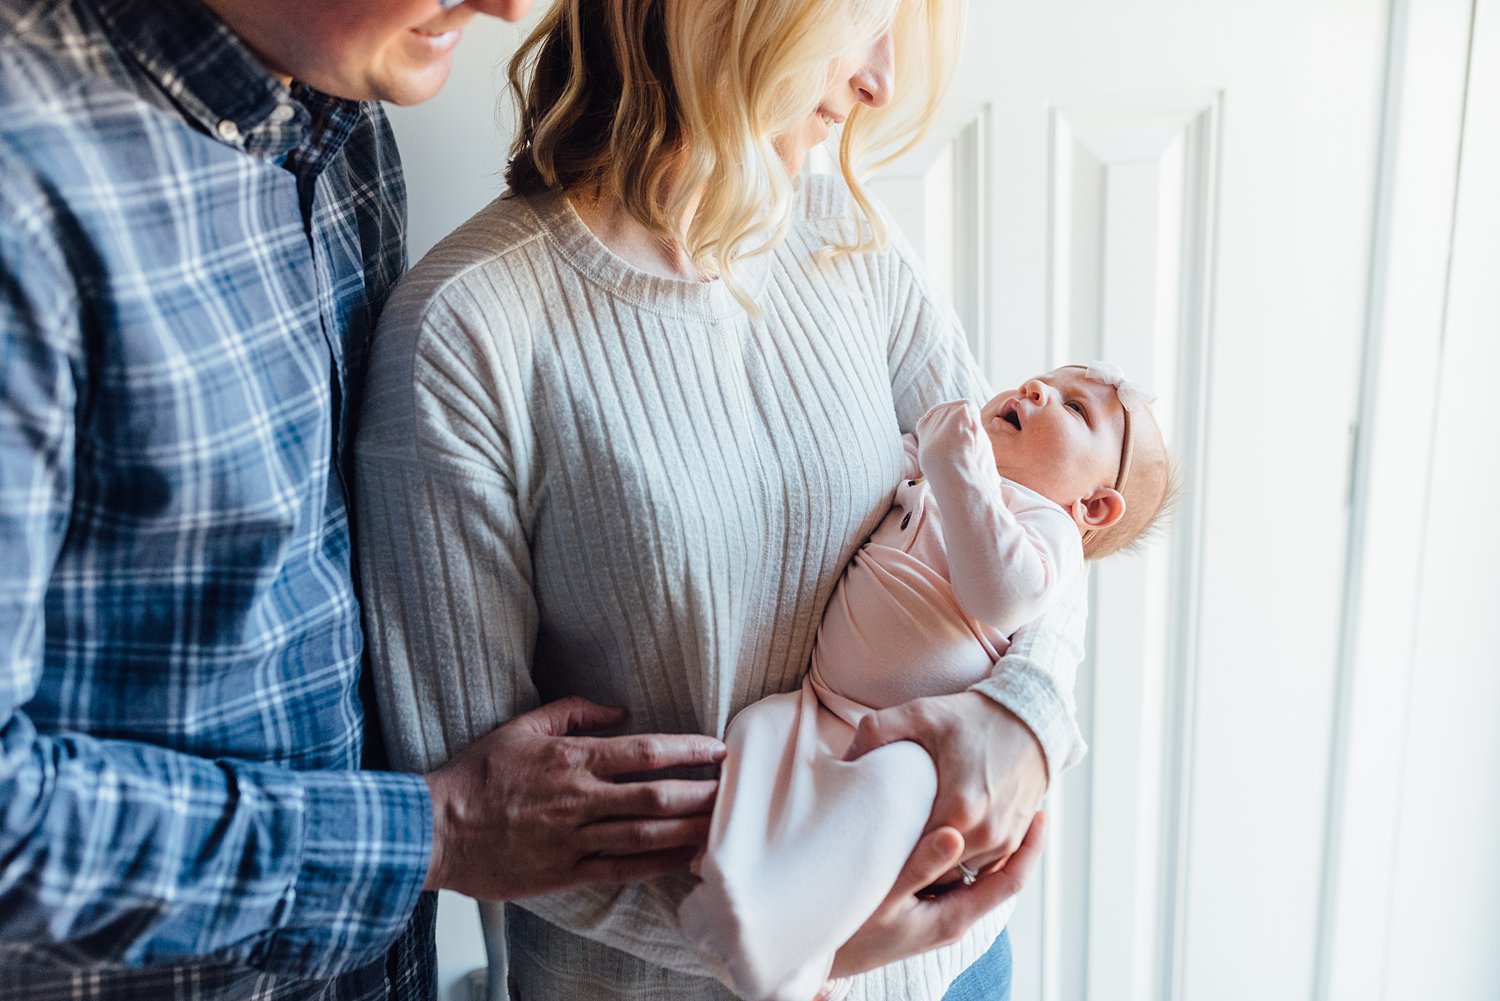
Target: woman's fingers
(877, 729)
(933, 858)
(641, 837)
(663, 798)
(905, 925)
(951, 914)
(609, 757)
(1006, 882)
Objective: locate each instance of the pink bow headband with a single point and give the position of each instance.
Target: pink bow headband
(1132, 396)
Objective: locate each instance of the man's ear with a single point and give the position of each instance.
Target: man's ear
(1098, 510)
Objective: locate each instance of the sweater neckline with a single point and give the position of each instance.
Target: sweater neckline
(588, 255)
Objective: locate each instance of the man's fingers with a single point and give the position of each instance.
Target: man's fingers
(569, 715)
(663, 798)
(935, 856)
(641, 837)
(621, 869)
(651, 752)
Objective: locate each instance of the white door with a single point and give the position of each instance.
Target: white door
(1211, 194)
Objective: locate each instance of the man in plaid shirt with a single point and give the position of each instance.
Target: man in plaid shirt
(193, 248)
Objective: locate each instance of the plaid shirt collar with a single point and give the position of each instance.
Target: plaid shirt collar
(219, 84)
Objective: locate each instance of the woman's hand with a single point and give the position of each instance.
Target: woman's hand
(529, 809)
(906, 924)
(990, 769)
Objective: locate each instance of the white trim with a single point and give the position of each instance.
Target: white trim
(1427, 60)
(1133, 212)
(1195, 371)
(939, 195)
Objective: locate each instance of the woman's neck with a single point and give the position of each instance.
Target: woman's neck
(630, 240)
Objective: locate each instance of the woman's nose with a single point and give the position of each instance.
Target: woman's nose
(875, 83)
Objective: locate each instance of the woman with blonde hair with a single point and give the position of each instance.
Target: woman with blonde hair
(623, 429)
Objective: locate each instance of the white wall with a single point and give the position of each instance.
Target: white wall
(454, 146)
(1445, 887)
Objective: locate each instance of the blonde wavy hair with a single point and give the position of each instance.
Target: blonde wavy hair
(667, 105)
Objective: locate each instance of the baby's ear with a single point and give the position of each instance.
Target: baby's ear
(1098, 510)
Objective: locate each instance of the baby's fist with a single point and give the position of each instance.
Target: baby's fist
(952, 431)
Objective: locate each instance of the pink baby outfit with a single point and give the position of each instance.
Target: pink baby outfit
(804, 846)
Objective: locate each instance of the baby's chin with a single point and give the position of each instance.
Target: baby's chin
(1020, 479)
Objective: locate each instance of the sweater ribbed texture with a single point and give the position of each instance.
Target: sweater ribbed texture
(576, 478)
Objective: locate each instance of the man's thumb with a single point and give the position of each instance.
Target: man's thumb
(570, 715)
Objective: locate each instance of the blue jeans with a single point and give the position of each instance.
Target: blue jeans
(988, 979)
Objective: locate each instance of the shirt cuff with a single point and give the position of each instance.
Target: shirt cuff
(1033, 696)
(366, 849)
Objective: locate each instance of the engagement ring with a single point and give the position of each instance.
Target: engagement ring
(969, 876)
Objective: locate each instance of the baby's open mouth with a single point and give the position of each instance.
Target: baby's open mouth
(1011, 414)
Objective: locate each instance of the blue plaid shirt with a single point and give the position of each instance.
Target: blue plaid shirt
(191, 254)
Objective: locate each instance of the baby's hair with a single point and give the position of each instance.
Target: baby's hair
(1151, 493)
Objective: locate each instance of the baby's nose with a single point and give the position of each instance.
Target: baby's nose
(1035, 390)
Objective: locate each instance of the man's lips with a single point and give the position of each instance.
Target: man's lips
(444, 24)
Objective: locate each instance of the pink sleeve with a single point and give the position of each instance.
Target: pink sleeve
(1010, 551)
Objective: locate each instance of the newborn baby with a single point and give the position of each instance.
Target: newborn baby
(996, 515)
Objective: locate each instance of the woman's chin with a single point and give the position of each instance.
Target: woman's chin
(793, 155)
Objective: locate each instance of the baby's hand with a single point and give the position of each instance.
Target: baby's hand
(950, 434)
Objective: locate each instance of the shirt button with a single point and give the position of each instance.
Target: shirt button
(905, 521)
(228, 131)
(282, 114)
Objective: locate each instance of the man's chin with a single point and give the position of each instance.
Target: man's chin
(415, 87)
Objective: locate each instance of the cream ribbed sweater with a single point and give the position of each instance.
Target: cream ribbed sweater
(576, 478)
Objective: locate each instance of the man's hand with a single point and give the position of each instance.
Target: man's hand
(991, 773)
(906, 924)
(529, 809)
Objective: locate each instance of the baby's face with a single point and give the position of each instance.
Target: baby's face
(1059, 434)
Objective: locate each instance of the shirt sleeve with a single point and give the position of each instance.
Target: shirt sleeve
(1010, 551)
(929, 363)
(118, 852)
(443, 464)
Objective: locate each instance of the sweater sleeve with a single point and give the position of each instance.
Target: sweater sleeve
(442, 473)
(1010, 551)
(928, 357)
(929, 363)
